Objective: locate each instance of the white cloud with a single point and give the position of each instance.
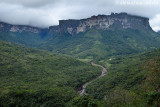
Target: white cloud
(155, 22)
(43, 13)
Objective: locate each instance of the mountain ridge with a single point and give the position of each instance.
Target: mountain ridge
(6, 27)
(104, 22)
(75, 26)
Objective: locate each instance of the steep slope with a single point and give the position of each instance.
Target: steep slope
(31, 77)
(131, 81)
(103, 44)
(102, 36)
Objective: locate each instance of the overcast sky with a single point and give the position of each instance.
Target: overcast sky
(43, 13)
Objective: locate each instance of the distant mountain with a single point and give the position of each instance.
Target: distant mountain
(98, 37)
(102, 36)
(19, 28)
(21, 34)
(103, 22)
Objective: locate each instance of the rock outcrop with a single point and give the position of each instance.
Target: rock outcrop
(102, 22)
(20, 28)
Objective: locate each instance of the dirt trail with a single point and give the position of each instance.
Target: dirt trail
(104, 72)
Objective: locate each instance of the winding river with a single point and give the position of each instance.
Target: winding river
(104, 72)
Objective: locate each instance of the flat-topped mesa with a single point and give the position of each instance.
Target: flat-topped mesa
(104, 22)
(101, 22)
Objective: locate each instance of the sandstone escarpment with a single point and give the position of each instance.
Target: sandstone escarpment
(104, 22)
(19, 28)
(101, 22)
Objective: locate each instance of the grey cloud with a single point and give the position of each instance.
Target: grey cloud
(29, 3)
(43, 13)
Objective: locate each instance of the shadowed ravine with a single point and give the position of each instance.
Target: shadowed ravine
(104, 72)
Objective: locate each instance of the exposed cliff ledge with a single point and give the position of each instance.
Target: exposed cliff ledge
(20, 28)
(104, 22)
(73, 27)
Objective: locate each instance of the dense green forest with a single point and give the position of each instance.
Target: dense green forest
(32, 77)
(23, 38)
(91, 45)
(102, 44)
(131, 81)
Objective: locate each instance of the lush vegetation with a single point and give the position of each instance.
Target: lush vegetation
(131, 81)
(32, 77)
(93, 44)
(100, 44)
(23, 38)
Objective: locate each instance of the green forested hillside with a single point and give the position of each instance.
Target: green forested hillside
(32, 77)
(131, 81)
(93, 44)
(101, 44)
(23, 38)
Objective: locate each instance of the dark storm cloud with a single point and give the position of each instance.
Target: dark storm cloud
(43, 13)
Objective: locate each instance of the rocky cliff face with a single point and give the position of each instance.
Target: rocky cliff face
(104, 22)
(74, 27)
(19, 28)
